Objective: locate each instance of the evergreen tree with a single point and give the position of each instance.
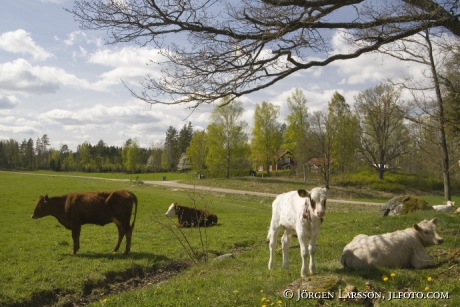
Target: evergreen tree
(185, 137)
(171, 148)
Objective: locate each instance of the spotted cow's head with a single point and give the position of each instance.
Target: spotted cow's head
(317, 200)
(172, 210)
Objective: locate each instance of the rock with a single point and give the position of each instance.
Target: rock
(225, 256)
(403, 205)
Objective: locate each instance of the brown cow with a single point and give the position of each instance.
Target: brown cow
(191, 217)
(100, 208)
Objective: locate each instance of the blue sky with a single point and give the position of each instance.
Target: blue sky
(58, 80)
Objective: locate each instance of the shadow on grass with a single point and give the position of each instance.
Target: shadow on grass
(369, 274)
(132, 255)
(131, 278)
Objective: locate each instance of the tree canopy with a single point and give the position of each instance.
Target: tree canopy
(215, 49)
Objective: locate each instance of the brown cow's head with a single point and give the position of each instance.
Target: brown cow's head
(41, 209)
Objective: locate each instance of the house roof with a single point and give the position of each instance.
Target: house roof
(280, 153)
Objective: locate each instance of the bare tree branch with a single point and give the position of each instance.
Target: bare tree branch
(214, 49)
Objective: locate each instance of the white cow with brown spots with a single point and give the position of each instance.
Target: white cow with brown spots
(298, 212)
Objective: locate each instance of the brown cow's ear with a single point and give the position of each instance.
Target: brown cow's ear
(303, 193)
(46, 197)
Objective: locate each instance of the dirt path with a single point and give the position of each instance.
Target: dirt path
(178, 185)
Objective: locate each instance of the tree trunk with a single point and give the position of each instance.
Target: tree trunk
(381, 171)
(442, 122)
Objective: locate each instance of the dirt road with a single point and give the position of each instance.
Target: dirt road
(177, 185)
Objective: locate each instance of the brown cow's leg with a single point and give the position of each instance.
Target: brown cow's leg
(76, 229)
(128, 239)
(121, 234)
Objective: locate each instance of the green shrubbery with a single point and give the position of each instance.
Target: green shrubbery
(392, 182)
(280, 173)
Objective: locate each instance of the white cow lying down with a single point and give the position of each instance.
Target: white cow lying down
(445, 208)
(399, 249)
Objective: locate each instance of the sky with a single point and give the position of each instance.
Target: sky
(59, 80)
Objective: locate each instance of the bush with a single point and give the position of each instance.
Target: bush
(281, 173)
(392, 182)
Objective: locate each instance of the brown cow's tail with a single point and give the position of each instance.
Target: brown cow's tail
(135, 211)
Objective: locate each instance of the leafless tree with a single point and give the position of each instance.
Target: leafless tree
(321, 143)
(428, 109)
(214, 49)
(384, 134)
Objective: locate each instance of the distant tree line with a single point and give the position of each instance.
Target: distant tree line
(380, 132)
(374, 134)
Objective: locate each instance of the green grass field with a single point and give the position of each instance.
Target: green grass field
(38, 268)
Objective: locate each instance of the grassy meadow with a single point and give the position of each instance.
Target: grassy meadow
(38, 268)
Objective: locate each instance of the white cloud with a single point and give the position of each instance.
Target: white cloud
(130, 64)
(115, 124)
(21, 76)
(20, 127)
(370, 67)
(54, 1)
(19, 41)
(8, 102)
(74, 37)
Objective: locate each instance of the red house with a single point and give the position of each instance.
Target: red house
(283, 159)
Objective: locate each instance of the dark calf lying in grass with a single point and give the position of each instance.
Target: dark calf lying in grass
(191, 217)
(100, 208)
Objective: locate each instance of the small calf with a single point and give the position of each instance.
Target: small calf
(299, 212)
(445, 208)
(399, 249)
(191, 217)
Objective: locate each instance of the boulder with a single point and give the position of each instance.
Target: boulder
(403, 205)
(314, 284)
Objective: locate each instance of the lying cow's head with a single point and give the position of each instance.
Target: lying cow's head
(426, 231)
(41, 209)
(317, 198)
(172, 210)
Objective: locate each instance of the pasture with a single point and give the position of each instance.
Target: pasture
(38, 268)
